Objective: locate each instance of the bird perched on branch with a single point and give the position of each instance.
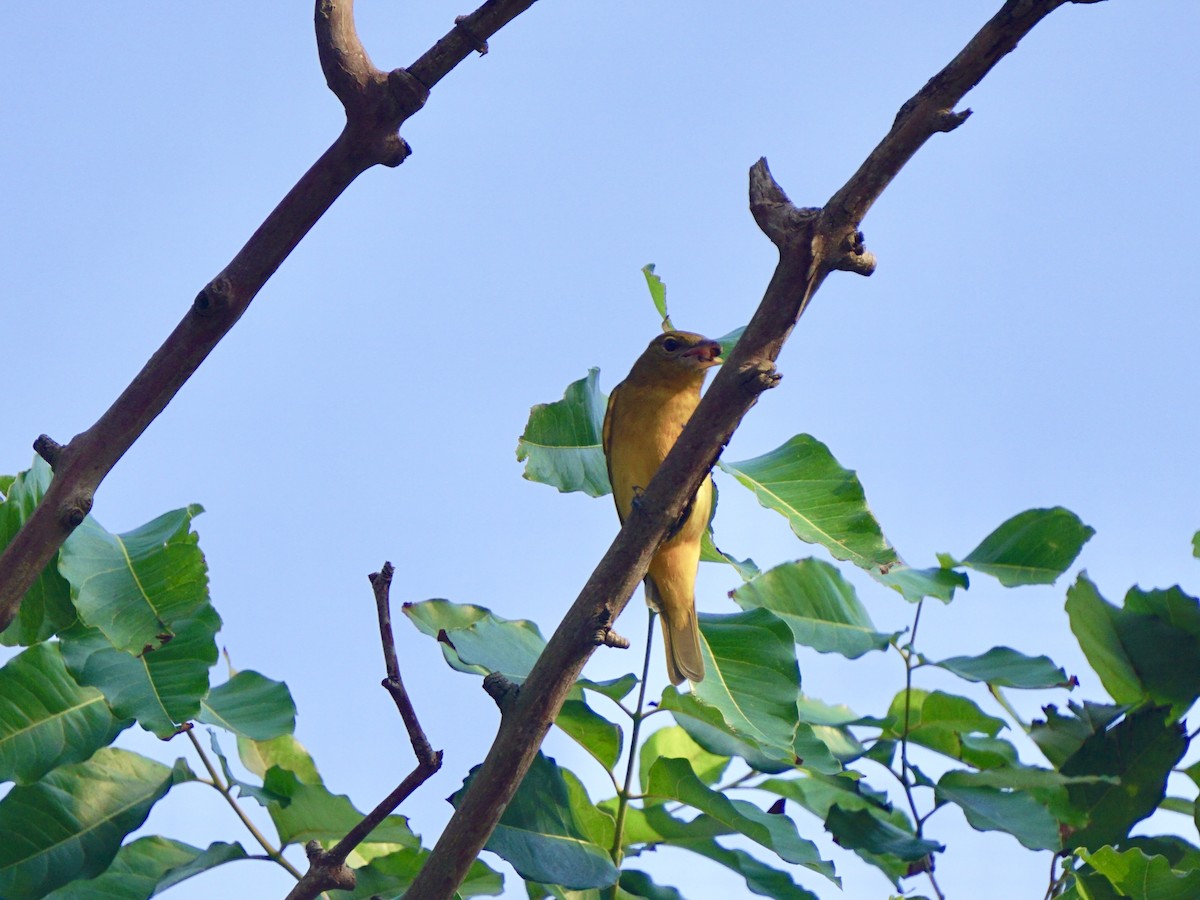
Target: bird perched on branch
(646, 412)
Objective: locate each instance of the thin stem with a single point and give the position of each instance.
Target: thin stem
(905, 769)
(224, 790)
(1008, 707)
(623, 793)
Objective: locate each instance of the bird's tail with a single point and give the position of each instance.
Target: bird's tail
(681, 636)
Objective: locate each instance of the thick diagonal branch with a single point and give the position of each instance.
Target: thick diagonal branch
(376, 103)
(811, 242)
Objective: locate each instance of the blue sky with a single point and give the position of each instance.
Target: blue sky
(1028, 339)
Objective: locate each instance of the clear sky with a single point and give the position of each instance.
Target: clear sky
(1029, 338)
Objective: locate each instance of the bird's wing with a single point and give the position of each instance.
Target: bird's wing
(606, 442)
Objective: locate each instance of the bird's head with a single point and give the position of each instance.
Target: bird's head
(679, 355)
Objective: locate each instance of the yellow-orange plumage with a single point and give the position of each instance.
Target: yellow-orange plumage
(646, 412)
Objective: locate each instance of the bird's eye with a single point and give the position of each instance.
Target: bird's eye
(671, 345)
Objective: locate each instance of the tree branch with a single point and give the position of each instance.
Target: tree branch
(811, 244)
(327, 870)
(377, 103)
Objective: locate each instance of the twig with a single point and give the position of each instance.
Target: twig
(623, 794)
(811, 244)
(327, 869)
(224, 790)
(377, 103)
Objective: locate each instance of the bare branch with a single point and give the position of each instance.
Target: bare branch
(376, 104)
(811, 244)
(327, 870)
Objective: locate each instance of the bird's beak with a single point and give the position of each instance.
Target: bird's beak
(707, 353)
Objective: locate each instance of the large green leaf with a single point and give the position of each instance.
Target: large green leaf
(819, 794)
(673, 779)
(250, 705)
(1005, 667)
(1142, 877)
(46, 607)
(674, 741)
(70, 824)
(818, 604)
(709, 728)
(147, 867)
(543, 833)
(760, 878)
(476, 640)
(160, 688)
(860, 830)
(1059, 737)
(939, 721)
(823, 502)
(284, 752)
(710, 552)
(988, 808)
(1148, 649)
(46, 718)
(752, 676)
(1033, 547)
(137, 587)
(1139, 751)
(562, 445)
(311, 812)
(388, 877)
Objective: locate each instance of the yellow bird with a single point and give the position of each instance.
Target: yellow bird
(646, 412)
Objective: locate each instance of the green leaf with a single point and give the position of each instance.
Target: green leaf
(1143, 877)
(1033, 547)
(46, 607)
(823, 502)
(819, 794)
(709, 728)
(476, 640)
(818, 604)
(673, 741)
(161, 688)
(562, 446)
(593, 732)
(710, 552)
(673, 779)
(760, 878)
(310, 812)
(1005, 667)
(147, 867)
(46, 718)
(1140, 751)
(916, 584)
(859, 830)
(1196, 545)
(615, 689)
(992, 809)
(136, 587)
(752, 677)
(250, 705)
(1059, 736)
(1149, 649)
(937, 720)
(388, 877)
(639, 884)
(543, 834)
(658, 293)
(729, 341)
(70, 824)
(284, 752)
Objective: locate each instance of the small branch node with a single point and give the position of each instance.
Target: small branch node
(853, 256)
(214, 297)
(606, 637)
(948, 119)
(76, 510)
(500, 689)
(462, 23)
(324, 874)
(393, 150)
(759, 375)
(48, 449)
